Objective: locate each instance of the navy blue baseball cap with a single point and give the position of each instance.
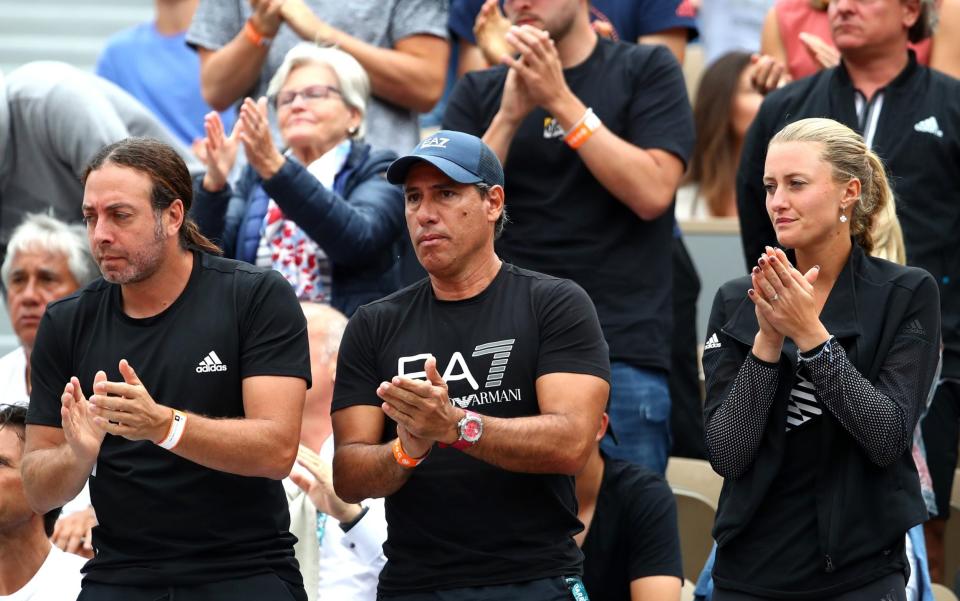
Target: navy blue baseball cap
(461, 157)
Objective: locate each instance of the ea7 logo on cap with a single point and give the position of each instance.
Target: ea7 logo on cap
(435, 142)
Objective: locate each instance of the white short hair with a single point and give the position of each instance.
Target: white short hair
(40, 232)
(354, 83)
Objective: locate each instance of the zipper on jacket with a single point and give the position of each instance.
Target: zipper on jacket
(829, 563)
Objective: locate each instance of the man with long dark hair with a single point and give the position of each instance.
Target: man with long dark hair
(176, 383)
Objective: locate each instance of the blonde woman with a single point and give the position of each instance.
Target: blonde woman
(818, 368)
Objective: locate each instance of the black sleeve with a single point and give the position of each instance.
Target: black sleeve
(274, 330)
(756, 231)
(357, 377)
(571, 340)
(654, 541)
(740, 392)
(659, 112)
(49, 373)
(463, 111)
(881, 416)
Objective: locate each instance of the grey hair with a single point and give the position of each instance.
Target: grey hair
(927, 21)
(352, 78)
(326, 322)
(483, 189)
(42, 232)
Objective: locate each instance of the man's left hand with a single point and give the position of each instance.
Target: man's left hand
(127, 409)
(538, 66)
(422, 407)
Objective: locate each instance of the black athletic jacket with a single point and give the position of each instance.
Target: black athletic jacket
(872, 378)
(918, 139)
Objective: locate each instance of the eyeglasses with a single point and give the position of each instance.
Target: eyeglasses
(309, 94)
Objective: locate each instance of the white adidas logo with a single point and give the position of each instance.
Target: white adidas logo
(712, 342)
(929, 126)
(211, 363)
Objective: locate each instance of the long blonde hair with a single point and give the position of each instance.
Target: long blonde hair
(849, 157)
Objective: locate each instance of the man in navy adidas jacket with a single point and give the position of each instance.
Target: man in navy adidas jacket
(910, 116)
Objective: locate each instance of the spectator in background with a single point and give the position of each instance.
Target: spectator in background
(723, 111)
(46, 260)
(626, 153)
(31, 569)
(479, 27)
(321, 214)
(53, 119)
(816, 378)
(797, 42)
(340, 546)
(905, 113)
(630, 543)
(153, 63)
(400, 43)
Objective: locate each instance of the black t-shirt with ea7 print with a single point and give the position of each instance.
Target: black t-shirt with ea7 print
(459, 521)
(165, 520)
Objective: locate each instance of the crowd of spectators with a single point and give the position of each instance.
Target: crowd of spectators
(289, 117)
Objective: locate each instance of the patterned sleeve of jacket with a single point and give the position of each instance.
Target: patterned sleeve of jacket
(740, 391)
(882, 415)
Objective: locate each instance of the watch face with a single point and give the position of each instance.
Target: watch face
(472, 428)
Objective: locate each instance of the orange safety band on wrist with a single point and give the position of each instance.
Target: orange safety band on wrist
(256, 38)
(583, 129)
(406, 460)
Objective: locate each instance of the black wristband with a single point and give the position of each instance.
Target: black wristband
(346, 526)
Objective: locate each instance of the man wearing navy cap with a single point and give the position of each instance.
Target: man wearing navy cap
(470, 398)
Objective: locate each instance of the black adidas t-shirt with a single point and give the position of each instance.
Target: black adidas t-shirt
(563, 221)
(165, 520)
(459, 521)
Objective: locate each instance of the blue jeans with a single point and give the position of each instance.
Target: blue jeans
(639, 416)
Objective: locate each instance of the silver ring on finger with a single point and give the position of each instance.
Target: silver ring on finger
(776, 296)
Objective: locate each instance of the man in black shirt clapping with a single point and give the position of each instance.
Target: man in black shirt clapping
(470, 398)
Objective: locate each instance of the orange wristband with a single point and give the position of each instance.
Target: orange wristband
(406, 460)
(583, 129)
(255, 37)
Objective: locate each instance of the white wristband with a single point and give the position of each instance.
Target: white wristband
(175, 433)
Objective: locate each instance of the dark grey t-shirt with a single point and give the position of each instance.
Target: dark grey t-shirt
(378, 22)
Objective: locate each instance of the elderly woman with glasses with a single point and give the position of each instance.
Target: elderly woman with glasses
(320, 212)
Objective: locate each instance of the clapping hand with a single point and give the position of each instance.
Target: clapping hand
(79, 427)
(767, 73)
(127, 409)
(73, 533)
(826, 55)
(305, 23)
(490, 29)
(421, 409)
(219, 151)
(266, 17)
(785, 300)
(257, 139)
(538, 66)
(320, 487)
